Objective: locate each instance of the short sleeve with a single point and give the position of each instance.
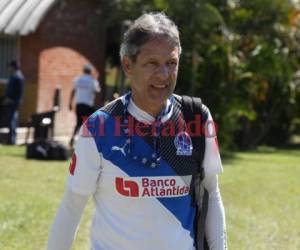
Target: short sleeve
(212, 161)
(85, 165)
(97, 86)
(75, 82)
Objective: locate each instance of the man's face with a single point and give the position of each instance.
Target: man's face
(153, 75)
(11, 70)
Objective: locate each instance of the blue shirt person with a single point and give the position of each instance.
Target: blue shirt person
(13, 96)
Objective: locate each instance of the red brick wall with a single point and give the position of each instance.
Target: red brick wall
(29, 53)
(70, 35)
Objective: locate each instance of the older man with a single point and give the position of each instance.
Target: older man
(138, 163)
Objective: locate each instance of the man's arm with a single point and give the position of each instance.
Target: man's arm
(215, 226)
(97, 87)
(71, 98)
(66, 221)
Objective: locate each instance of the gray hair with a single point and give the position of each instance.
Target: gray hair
(148, 27)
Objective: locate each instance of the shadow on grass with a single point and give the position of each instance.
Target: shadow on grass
(228, 157)
(294, 146)
(271, 150)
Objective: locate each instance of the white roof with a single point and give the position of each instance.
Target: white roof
(22, 16)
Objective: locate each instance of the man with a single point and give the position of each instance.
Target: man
(85, 89)
(13, 96)
(136, 164)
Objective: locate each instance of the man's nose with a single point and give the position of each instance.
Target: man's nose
(163, 72)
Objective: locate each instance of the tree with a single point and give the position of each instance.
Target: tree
(266, 49)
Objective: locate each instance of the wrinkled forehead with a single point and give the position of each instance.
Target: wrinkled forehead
(159, 47)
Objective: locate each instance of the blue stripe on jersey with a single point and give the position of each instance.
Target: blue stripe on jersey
(180, 207)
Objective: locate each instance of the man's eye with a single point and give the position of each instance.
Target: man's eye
(173, 63)
(152, 63)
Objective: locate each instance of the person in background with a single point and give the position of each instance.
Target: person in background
(13, 97)
(84, 90)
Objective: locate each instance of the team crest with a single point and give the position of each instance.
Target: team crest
(183, 144)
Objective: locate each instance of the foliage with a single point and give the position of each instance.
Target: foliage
(265, 46)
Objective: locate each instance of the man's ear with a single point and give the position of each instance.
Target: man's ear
(127, 66)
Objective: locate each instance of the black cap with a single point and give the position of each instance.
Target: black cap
(14, 64)
(88, 68)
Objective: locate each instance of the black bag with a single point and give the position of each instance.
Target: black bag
(46, 150)
(191, 107)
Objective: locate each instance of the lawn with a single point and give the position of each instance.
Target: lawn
(261, 193)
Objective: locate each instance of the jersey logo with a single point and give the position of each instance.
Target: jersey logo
(148, 187)
(121, 149)
(127, 188)
(72, 164)
(183, 143)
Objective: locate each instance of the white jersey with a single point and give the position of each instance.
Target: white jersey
(85, 89)
(137, 207)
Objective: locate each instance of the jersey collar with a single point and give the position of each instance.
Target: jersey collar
(143, 116)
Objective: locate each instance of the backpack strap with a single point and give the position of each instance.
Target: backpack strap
(193, 106)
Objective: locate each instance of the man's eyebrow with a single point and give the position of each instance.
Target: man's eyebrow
(151, 58)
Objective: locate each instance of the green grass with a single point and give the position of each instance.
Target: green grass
(30, 192)
(260, 190)
(261, 193)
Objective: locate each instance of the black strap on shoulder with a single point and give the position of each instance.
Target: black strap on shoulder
(192, 106)
(188, 108)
